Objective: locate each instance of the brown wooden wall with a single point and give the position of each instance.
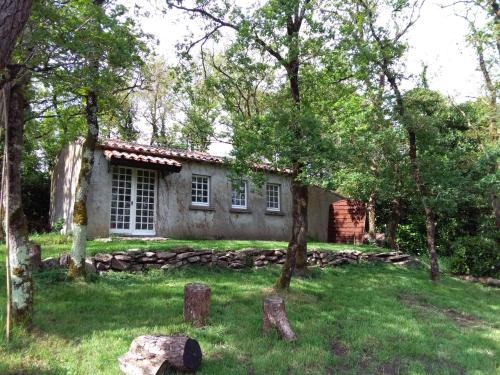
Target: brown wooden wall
(346, 223)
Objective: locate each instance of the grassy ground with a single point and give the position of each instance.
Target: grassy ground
(360, 319)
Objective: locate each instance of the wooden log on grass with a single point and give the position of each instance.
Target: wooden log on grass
(274, 316)
(196, 303)
(156, 354)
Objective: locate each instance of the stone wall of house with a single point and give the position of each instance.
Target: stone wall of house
(63, 188)
(176, 217)
(63, 185)
(179, 219)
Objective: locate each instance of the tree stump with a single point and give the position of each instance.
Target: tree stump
(155, 354)
(274, 316)
(196, 303)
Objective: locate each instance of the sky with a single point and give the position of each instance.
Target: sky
(436, 40)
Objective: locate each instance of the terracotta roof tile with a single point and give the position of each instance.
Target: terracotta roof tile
(121, 155)
(162, 152)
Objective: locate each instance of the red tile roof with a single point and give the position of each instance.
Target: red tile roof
(161, 152)
(130, 156)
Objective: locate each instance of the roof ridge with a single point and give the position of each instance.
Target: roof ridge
(164, 148)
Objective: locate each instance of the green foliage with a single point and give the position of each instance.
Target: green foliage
(477, 256)
(61, 38)
(58, 225)
(411, 239)
(36, 198)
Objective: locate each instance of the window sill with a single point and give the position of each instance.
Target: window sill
(275, 213)
(195, 207)
(240, 210)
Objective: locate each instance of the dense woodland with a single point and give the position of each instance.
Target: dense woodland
(317, 87)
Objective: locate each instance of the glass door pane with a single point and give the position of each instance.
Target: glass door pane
(145, 201)
(121, 193)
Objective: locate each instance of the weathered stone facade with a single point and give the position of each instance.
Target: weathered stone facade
(175, 216)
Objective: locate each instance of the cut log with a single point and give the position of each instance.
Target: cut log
(274, 316)
(196, 303)
(155, 354)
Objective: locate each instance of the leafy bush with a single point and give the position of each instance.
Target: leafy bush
(58, 225)
(474, 255)
(36, 197)
(411, 240)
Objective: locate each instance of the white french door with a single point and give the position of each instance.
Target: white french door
(133, 201)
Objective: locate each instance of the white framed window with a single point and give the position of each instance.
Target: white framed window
(200, 190)
(273, 197)
(239, 194)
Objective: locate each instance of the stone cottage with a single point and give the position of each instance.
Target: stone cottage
(141, 190)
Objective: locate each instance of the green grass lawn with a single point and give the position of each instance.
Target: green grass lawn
(359, 319)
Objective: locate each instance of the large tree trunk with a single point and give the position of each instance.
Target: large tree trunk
(300, 227)
(13, 17)
(372, 218)
(76, 268)
(392, 225)
(429, 213)
(21, 283)
(430, 226)
(2, 153)
(417, 176)
(297, 247)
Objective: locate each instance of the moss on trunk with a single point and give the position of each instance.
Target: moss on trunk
(80, 213)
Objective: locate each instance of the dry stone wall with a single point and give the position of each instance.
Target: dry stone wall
(139, 260)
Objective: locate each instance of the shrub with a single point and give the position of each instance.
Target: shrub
(58, 225)
(410, 239)
(477, 256)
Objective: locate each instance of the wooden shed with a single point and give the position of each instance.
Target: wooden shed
(346, 222)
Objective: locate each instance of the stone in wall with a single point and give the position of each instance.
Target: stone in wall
(139, 260)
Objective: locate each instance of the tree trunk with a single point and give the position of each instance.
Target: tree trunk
(76, 268)
(196, 303)
(417, 176)
(392, 226)
(429, 213)
(297, 247)
(372, 220)
(3, 116)
(274, 316)
(21, 283)
(13, 17)
(430, 226)
(299, 229)
(155, 354)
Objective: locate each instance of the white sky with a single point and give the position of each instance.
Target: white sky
(437, 40)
